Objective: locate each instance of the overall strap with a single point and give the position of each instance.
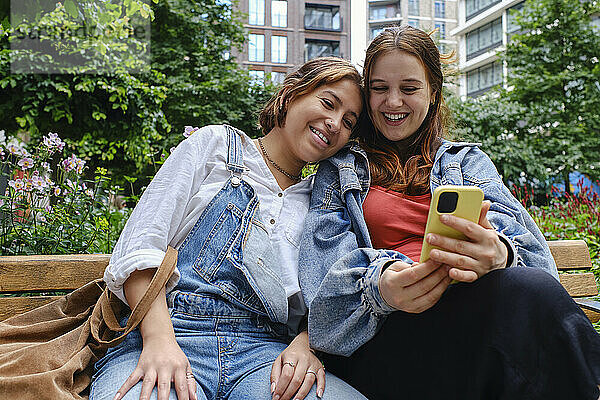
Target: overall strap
(234, 152)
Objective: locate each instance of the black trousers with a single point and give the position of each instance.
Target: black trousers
(513, 334)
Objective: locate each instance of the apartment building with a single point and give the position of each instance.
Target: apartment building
(284, 34)
(369, 17)
(484, 28)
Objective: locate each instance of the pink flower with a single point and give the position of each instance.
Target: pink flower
(25, 163)
(1, 202)
(188, 130)
(16, 184)
(71, 184)
(28, 185)
(38, 183)
(73, 163)
(53, 142)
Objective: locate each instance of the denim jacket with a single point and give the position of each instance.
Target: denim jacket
(338, 267)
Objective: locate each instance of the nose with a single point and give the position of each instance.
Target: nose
(334, 124)
(394, 98)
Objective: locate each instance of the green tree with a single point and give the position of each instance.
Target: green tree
(496, 122)
(125, 119)
(191, 46)
(554, 74)
(112, 117)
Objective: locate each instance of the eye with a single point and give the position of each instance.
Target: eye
(410, 89)
(348, 123)
(328, 103)
(378, 89)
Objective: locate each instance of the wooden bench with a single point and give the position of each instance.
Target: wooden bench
(34, 275)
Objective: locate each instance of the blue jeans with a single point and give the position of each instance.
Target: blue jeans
(229, 307)
(230, 350)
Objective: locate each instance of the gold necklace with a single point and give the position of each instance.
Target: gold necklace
(296, 178)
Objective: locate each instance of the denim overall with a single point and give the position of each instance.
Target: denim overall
(229, 308)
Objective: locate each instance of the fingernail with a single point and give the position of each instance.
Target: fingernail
(117, 396)
(444, 218)
(272, 387)
(276, 397)
(431, 238)
(320, 393)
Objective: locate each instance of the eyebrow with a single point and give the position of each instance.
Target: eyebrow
(335, 96)
(415, 80)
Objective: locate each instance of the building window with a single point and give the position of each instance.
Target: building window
(279, 49)
(277, 77)
(320, 48)
(414, 23)
(256, 9)
(322, 17)
(279, 13)
(256, 47)
(376, 31)
(482, 79)
(413, 7)
(441, 27)
(389, 11)
(440, 9)
(474, 7)
(258, 77)
(378, 12)
(511, 24)
(485, 38)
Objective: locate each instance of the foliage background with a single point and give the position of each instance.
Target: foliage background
(126, 121)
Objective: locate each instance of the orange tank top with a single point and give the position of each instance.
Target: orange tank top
(396, 221)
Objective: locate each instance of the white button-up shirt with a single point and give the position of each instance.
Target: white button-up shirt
(185, 184)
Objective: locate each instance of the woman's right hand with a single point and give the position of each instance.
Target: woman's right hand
(414, 288)
(162, 361)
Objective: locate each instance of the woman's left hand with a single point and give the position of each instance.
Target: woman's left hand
(470, 259)
(296, 370)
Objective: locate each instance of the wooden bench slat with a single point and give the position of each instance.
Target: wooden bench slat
(50, 272)
(591, 308)
(10, 306)
(570, 254)
(579, 285)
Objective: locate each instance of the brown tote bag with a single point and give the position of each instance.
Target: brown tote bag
(49, 352)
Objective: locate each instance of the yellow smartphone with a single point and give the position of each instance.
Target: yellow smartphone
(460, 201)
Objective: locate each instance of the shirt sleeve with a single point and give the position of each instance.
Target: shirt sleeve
(339, 280)
(508, 216)
(160, 211)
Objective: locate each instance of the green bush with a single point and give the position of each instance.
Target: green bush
(47, 207)
(567, 216)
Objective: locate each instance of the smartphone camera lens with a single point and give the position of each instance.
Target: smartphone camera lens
(447, 202)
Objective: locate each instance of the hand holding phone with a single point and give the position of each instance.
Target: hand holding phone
(460, 201)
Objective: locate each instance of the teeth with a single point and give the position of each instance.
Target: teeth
(395, 117)
(319, 134)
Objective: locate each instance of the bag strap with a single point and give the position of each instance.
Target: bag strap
(103, 313)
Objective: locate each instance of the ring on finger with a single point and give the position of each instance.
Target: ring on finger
(189, 375)
(311, 372)
(291, 364)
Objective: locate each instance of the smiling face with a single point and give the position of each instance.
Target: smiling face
(320, 122)
(399, 95)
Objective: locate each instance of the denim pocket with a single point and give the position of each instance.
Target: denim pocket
(216, 244)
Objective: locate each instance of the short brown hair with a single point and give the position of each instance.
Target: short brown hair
(312, 74)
